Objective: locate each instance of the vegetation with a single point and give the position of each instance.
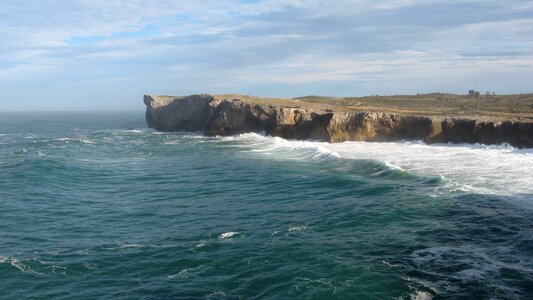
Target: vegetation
(515, 107)
(498, 107)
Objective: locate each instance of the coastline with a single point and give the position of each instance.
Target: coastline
(302, 120)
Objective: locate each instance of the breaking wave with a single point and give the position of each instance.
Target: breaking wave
(495, 169)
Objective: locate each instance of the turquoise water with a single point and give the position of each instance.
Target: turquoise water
(95, 205)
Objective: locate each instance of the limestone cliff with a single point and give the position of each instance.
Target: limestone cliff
(226, 116)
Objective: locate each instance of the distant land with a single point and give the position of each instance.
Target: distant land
(433, 118)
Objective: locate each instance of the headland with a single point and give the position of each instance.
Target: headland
(432, 118)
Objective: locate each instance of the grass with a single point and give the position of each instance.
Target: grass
(498, 107)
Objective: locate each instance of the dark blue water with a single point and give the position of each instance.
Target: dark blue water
(95, 205)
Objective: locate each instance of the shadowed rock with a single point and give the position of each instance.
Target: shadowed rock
(167, 113)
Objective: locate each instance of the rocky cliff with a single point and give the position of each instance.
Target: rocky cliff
(217, 115)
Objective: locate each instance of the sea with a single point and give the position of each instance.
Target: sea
(95, 205)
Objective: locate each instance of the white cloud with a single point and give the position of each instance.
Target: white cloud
(225, 43)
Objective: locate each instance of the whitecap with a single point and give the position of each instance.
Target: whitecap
(87, 141)
(388, 264)
(123, 246)
(496, 169)
(43, 262)
(471, 168)
(63, 139)
(18, 264)
(184, 273)
(298, 228)
(419, 295)
(90, 266)
(130, 246)
(226, 235)
(280, 148)
(217, 294)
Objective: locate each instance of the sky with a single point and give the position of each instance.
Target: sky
(105, 54)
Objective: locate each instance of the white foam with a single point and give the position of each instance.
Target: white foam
(418, 295)
(184, 273)
(388, 264)
(476, 168)
(130, 246)
(281, 148)
(123, 246)
(226, 235)
(18, 264)
(42, 261)
(217, 294)
(90, 266)
(299, 228)
(87, 141)
(496, 169)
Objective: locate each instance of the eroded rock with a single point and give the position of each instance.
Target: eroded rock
(229, 116)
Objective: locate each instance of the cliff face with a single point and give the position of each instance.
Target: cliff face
(190, 113)
(216, 116)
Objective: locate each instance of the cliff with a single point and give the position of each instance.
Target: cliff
(227, 115)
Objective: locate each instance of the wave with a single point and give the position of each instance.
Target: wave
(482, 169)
(298, 228)
(185, 272)
(454, 270)
(322, 156)
(281, 148)
(120, 246)
(227, 235)
(18, 265)
(418, 295)
(321, 152)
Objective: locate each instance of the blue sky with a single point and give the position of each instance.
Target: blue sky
(105, 54)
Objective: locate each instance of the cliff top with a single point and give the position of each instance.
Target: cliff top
(497, 107)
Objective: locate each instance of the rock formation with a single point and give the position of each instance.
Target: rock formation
(226, 116)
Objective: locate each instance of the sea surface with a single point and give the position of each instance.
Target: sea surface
(98, 206)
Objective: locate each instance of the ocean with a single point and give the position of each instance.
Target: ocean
(98, 206)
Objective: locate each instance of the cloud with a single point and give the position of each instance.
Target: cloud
(290, 46)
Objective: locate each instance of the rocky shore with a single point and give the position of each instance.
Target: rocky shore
(219, 115)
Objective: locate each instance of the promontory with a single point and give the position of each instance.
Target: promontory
(432, 118)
